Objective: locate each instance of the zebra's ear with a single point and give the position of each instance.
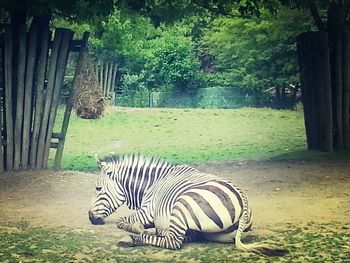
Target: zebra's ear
(98, 161)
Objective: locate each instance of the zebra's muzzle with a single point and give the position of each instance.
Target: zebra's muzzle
(95, 220)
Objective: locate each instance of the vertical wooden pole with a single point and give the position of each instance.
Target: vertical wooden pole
(113, 84)
(346, 89)
(8, 97)
(305, 69)
(105, 76)
(105, 79)
(325, 129)
(2, 108)
(60, 72)
(48, 99)
(39, 101)
(101, 75)
(22, 39)
(338, 107)
(28, 95)
(67, 113)
(109, 82)
(316, 89)
(96, 72)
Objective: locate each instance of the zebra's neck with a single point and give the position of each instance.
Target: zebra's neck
(137, 173)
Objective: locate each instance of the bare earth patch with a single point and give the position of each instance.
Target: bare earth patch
(282, 194)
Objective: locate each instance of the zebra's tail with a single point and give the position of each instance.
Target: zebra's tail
(255, 248)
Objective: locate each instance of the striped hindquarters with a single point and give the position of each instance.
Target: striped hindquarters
(211, 207)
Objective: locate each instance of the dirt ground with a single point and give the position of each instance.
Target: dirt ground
(280, 193)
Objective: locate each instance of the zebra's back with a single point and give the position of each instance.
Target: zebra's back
(204, 201)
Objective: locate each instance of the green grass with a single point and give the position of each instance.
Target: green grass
(311, 243)
(187, 135)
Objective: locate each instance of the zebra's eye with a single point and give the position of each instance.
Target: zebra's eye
(109, 173)
(98, 188)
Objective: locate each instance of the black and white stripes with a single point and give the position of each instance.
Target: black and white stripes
(178, 200)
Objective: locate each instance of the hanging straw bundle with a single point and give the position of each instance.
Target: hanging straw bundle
(89, 100)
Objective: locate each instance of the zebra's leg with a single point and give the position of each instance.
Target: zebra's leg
(171, 238)
(190, 236)
(193, 236)
(135, 222)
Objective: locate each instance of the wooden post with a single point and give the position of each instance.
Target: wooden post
(113, 84)
(101, 75)
(28, 95)
(105, 76)
(8, 97)
(346, 89)
(305, 72)
(48, 99)
(60, 72)
(2, 85)
(60, 146)
(325, 129)
(316, 89)
(39, 102)
(338, 90)
(22, 39)
(97, 72)
(109, 82)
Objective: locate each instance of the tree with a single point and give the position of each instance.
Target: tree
(173, 60)
(255, 54)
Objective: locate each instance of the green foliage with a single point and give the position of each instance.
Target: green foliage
(134, 87)
(173, 61)
(73, 10)
(124, 36)
(255, 54)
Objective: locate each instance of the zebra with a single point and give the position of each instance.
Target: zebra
(173, 203)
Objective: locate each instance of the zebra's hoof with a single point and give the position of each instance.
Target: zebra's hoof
(125, 241)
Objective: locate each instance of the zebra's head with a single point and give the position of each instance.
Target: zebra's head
(108, 195)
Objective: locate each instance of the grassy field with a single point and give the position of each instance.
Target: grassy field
(23, 243)
(185, 135)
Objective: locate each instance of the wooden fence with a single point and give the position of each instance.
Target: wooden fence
(325, 83)
(106, 73)
(33, 69)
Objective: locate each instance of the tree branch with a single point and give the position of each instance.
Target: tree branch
(316, 16)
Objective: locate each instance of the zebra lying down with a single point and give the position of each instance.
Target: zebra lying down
(182, 203)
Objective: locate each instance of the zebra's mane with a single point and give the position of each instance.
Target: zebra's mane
(135, 158)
